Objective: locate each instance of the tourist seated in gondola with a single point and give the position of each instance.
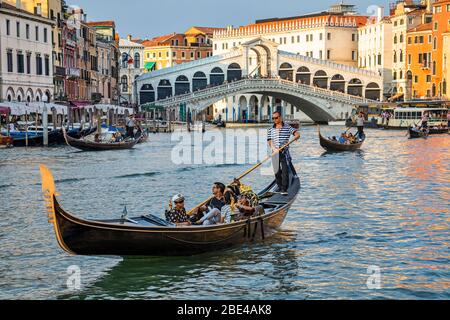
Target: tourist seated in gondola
(211, 213)
(177, 215)
(117, 136)
(351, 138)
(230, 211)
(343, 139)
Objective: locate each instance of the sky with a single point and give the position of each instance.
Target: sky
(150, 18)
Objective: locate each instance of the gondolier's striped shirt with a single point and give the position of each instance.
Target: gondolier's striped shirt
(280, 137)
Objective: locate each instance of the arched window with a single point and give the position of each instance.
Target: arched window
(303, 76)
(137, 60)
(147, 94)
(124, 60)
(217, 77)
(199, 81)
(234, 72)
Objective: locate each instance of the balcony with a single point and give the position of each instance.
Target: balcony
(60, 71)
(73, 72)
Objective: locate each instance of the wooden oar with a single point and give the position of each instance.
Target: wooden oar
(191, 212)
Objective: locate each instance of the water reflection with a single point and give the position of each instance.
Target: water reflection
(386, 205)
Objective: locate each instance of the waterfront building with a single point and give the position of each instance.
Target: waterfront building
(176, 48)
(330, 35)
(375, 47)
(406, 15)
(107, 41)
(53, 10)
(418, 60)
(131, 67)
(441, 25)
(26, 72)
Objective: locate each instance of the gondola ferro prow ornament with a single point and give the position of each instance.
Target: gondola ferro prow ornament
(49, 193)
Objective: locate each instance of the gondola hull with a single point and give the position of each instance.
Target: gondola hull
(85, 145)
(37, 140)
(417, 134)
(140, 237)
(336, 146)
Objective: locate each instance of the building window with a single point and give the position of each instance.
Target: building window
(28, 63)
(8, 27)
(45, 35)
(47, 65)
(199, 55)
(328, 36)
(20, 62)
(354, 58)
(38, 64)
(27, 31)
(9, 59)
(37, 33)
(192, 55)
(329, 54)
(409, 59)
(353, 37)
(183, 55)
(320, 36)
(436, 25)
(174, 54)
(18, 29)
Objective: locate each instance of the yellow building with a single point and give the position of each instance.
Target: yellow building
(176, 48)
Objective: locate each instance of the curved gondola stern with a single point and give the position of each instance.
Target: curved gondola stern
(50, 194)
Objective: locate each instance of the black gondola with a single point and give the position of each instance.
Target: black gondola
(85, 145)
(416, 134)
(37, 140)
(329, 145)
(151, 236)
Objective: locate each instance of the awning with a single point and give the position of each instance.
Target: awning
(151, 107)
(149, 65)
(396, 97)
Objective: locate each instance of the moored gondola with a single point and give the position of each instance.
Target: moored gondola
(87, 145)
(329, 145)
(148, 235)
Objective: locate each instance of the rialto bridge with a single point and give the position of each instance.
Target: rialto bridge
(255, 79)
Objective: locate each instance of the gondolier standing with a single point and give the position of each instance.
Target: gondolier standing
(277, 137)
(360, 125)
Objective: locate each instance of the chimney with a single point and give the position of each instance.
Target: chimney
(19, 4)
(380, 14)
(38, 9)
(129, 37)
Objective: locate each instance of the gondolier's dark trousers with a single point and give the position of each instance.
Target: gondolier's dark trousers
(280, 165)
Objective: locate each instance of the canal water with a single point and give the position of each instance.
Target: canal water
(380, 216)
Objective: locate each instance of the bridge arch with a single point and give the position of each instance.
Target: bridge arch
(355, 87)
(147, 94)
(164, 89)
(320, 79)
(303, 76)
(216, 77)
(234, 72)
(373, 91)
(286, 71)
(199, 81)
(182, 85)
(337, 83)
